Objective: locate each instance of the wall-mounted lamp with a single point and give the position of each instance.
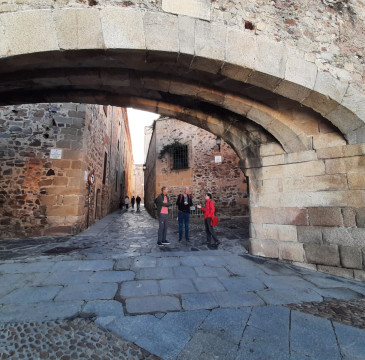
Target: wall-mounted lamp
(144, 167)
(218, 140)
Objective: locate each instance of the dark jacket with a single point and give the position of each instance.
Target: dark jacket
(138, 199)
(160, 203)
(180, 203)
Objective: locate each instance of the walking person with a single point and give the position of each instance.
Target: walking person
(163, 203)
(209, 210)
(133, 200)
(138, 201)
(183, 202)
(121, 202)
(126, 202)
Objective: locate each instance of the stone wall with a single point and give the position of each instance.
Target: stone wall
(224, 180)
(309, 208)
(41, 195)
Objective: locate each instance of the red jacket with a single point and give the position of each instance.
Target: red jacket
(209, 209)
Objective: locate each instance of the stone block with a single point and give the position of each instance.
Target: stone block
(337, 271)
(198, 301)
(265, 248)
(58, 230)
(39, 36)
(177, 286)
(354, 101)
(302, 156)
(31, 294)
(210, 40)
(351, 257)
(78, 28)
(325, 216)
(322, 254)
(356, 181)
(311, 168)
(349, 217)
(360, 217)
(341, 151)
(151, 304)
(292, 90)
(194, 8)
(122, 28)
(186, 35)
(205, 284)
(236, 104)
(161, 32)
(271, 149)
(61, 164)
(344, 236)
(139, 288)
(60, 181)
(103, 308)
(328, 85)
(359, 275)
(280, 232)
(309, 234)
(328, 140)
(352, 164)
(70, 210)
(111, 276)
(291, 251)
(284, 216)
(315, 183)
(238, 44)
(275, 64)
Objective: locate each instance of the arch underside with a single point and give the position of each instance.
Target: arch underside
(159, 82)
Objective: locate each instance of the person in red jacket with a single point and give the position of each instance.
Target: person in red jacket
(209, 210)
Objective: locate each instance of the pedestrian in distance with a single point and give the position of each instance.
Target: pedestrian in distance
(138, 201)
(133, 200)
(121, 202)
(163, 203)
(183, 202)
(209, 210)
(126, 202)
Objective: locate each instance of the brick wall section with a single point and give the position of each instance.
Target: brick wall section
(311, 209)
(224, 180)
(42, 196)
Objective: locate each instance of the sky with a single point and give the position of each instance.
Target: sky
(137, 121)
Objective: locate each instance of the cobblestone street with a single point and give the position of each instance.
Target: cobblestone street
(112, 293)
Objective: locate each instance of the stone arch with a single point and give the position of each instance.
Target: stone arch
(170, 43)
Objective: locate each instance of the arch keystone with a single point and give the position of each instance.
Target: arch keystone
(78, 28)
(122, 28)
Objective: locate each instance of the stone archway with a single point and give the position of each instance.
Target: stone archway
(298, 130)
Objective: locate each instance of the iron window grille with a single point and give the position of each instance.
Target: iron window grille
(180, 156)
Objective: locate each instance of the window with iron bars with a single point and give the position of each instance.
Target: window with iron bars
(180, 156)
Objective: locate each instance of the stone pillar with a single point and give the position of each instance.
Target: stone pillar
(309, 208)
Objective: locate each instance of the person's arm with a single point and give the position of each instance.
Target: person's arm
(168, 204)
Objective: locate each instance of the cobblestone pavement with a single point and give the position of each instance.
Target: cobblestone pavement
(114, 287)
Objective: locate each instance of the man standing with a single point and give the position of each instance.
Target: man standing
(163, 203)
(126, 202)
(138, 201)
(183, 202)
(133, 201)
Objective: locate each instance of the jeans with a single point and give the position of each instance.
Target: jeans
(210, 230)
(162, 227)
(138, 205)
(183, 218)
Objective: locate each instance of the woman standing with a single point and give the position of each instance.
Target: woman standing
(208, 211)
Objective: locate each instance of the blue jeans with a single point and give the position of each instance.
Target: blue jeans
(183, 218)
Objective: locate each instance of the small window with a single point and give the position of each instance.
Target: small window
(181, 160)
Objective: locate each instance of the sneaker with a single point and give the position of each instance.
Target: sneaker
(166, 242)
(159, 244)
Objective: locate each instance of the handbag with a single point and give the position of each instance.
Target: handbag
(214, 221)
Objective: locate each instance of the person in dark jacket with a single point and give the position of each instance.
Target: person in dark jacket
(183, 202)
(209, 210)
(133, 200)
(163, 203)
(138, 202)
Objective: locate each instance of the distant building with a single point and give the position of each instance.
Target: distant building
(138, 180)
(62, 167)
(193, 159)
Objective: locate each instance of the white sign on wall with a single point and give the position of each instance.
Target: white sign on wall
(218, 159)
(56, 154)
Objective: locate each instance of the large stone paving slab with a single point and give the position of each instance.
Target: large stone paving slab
(152, 304)
(93, 291)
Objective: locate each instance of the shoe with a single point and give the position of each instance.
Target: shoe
(187, 240)
(166, 242)
(180, 240)
(217, 243)
(159, 244)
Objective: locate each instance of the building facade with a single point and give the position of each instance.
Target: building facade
(182, 155)
(138, 181)
(62, 167)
